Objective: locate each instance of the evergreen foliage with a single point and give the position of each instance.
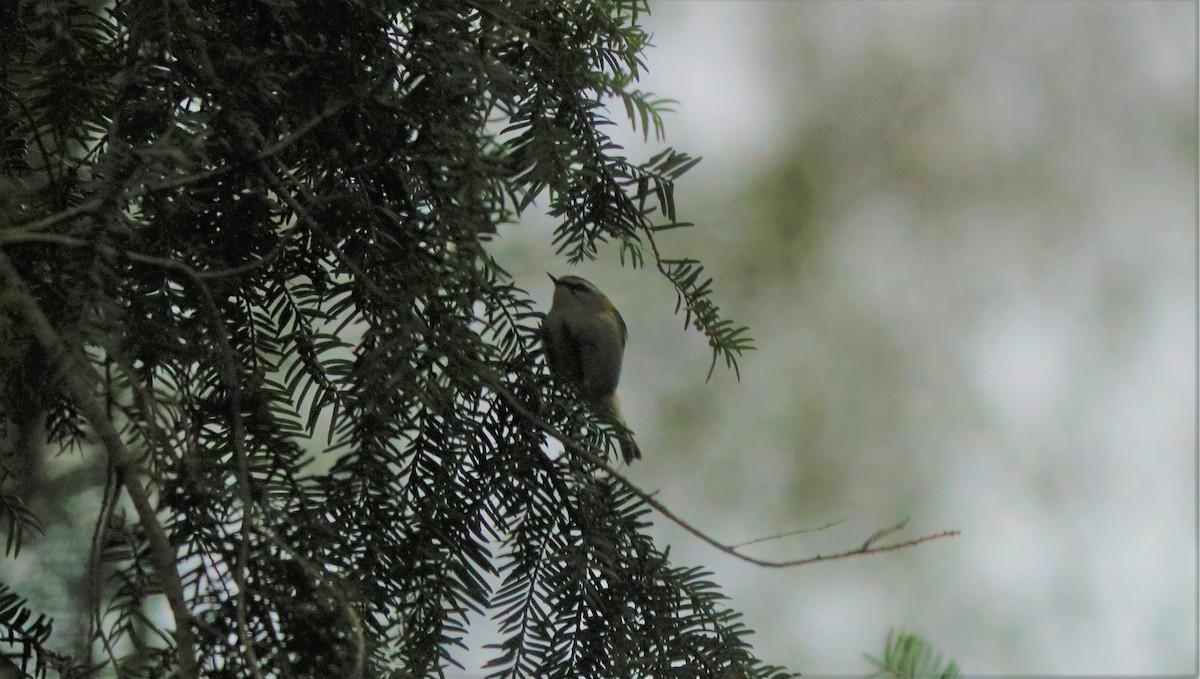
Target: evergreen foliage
(233, 231)
(908, 656)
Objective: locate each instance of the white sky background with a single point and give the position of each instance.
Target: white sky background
(994, 330)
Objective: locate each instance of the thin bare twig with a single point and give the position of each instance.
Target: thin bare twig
(95, 620)
(600, 462)
(80, 379)
(789, 534)
(884, 532)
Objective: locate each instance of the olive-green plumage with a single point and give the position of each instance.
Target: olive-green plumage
(584, 338)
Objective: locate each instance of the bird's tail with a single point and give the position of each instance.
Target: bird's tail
(629, 448)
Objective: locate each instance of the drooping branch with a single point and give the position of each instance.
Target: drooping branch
(868, 546)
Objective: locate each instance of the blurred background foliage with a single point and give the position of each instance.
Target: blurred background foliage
(964, 238)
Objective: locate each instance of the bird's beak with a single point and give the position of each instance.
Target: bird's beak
(552, 277)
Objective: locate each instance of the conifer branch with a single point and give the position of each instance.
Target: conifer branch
(93, 204)
(324, 579)
(80, 379)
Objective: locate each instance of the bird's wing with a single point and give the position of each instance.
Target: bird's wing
(624, 330)
(563, 356)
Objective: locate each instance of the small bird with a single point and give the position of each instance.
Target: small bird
(584, 336)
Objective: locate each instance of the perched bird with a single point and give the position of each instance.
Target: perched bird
(584, 337)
